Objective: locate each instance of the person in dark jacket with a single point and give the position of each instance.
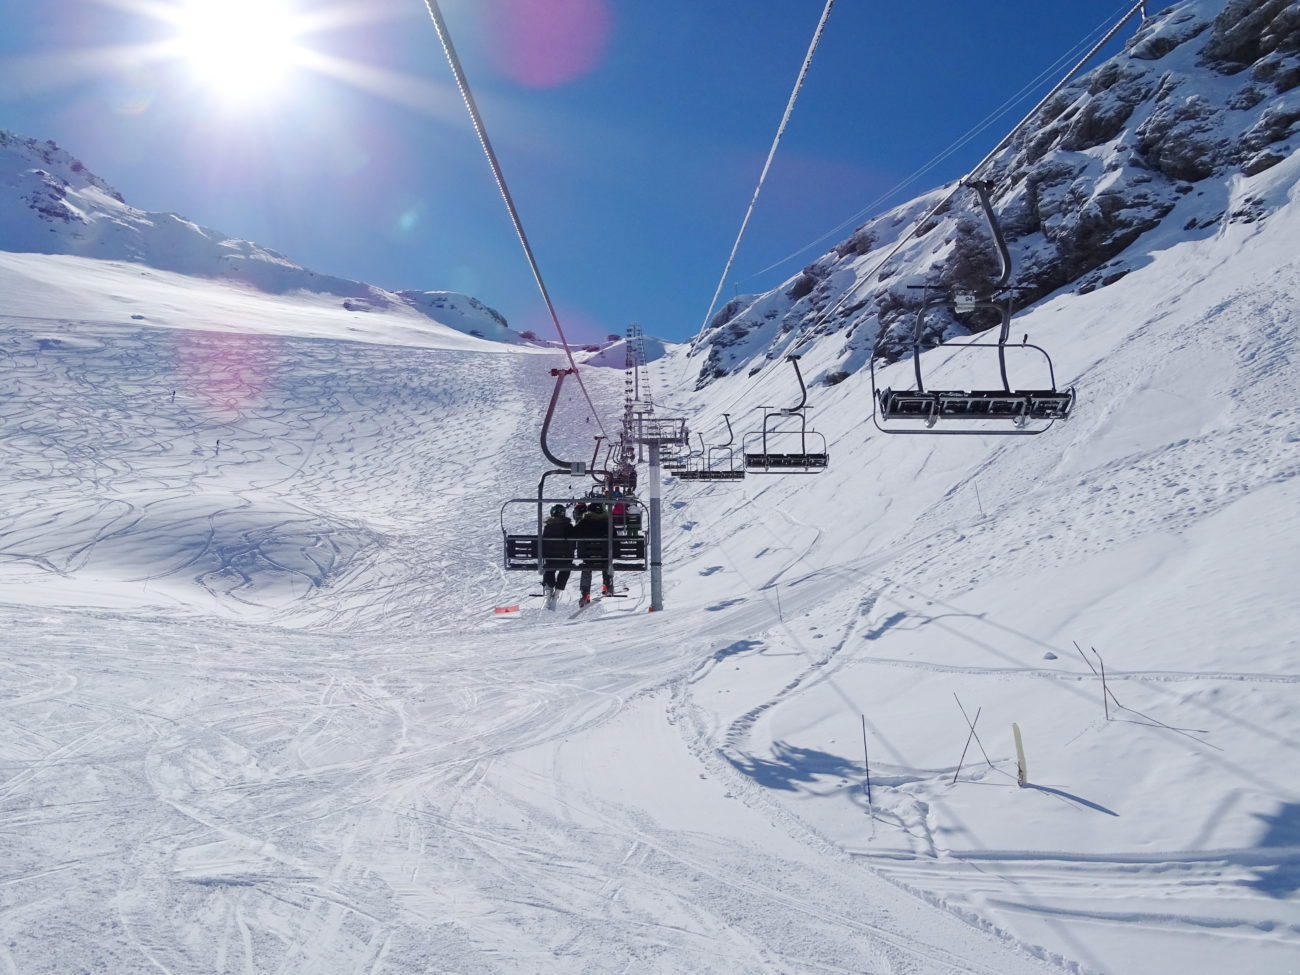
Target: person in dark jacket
(593, 535)
(557, 554)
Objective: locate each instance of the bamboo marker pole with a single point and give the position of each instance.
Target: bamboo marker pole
(1022, 772)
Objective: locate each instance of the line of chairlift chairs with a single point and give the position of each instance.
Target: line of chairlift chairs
(623, 547)
(784, 444)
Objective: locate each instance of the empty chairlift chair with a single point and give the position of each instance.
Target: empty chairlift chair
(779, 447)
(723, 462)
(695, 464)
(720, 461)
(1028, 410)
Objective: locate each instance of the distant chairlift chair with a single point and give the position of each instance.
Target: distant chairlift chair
(720, 461)
(696, 461)
(761, 447)
(930, 406)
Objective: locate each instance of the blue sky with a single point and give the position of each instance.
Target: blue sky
(631, 132)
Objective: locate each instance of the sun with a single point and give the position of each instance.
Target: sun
(238, 48)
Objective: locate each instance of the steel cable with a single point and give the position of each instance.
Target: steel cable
(771, 153)
(444, 35)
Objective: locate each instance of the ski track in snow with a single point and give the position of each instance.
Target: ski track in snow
(326, 776)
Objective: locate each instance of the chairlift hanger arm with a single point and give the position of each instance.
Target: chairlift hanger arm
(803, 390)
(599, 474)
(570, 467)
(981, 188)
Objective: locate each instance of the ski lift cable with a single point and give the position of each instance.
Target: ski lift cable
(444, 35)
(960, 143)
(957, 185)
(771, 154)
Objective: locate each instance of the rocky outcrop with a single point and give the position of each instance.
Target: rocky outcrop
(1203, 91)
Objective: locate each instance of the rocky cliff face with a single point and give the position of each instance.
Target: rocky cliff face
(1205, 93)
(52, 204)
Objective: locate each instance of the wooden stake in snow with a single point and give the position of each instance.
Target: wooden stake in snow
(1022, 773)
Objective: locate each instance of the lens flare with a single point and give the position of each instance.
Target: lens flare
(543, 43)
(227, 371)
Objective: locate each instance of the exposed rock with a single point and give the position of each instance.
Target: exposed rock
(1107, 160)
(1261, 161)
(1180, 138)
(1275, 124)
(1247, 30)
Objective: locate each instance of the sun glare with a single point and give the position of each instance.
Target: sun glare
(238, 47)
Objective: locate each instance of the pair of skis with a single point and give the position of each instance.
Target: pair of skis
(595, 599)
(552, 598)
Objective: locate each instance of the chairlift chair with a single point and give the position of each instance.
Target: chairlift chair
(622, 550)
(695, 464)
(720, 462)
(1030, 411)
(773, 450)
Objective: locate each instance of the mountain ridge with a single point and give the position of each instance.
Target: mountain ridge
(60, 207)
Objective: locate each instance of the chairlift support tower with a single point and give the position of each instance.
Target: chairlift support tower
(655, 433)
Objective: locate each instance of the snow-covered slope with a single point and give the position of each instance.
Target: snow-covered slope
(50, 203)
(1152, 141)
(260, 714)
(1157, 526)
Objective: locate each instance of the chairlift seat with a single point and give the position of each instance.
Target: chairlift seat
(619, 553)
(628, 524)
(710, 475)
(622, 553)
(786, 461)
(521, 552)
(996, 404)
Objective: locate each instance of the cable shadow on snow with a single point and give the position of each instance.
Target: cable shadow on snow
(792, 765)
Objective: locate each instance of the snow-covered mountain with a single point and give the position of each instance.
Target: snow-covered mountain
(1152, 143)
(53, 204)
(271, 703)
(613, 354)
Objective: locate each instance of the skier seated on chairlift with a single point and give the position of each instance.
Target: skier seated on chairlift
(594, 525)
(557, 554)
